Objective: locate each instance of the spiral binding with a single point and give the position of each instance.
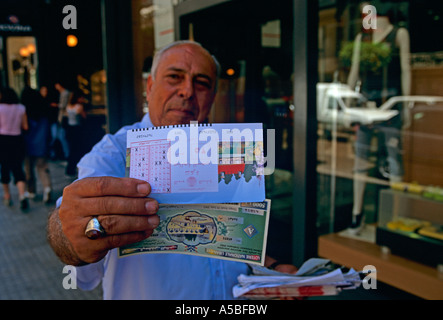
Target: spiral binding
(172, 126)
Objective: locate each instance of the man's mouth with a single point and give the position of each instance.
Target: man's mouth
(183, 112)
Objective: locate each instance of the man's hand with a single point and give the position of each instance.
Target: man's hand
(285, 268)
(120, 204)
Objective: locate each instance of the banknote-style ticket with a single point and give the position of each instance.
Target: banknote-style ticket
(233, 231)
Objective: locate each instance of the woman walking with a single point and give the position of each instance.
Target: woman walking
(37, 143)
(13, 120)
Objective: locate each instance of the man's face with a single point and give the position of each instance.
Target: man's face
(184, 86)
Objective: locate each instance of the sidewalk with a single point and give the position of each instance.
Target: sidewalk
(29, 270)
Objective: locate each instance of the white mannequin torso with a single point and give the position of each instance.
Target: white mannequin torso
(402, 40)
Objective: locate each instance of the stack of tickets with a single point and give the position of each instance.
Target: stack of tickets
(316, 277)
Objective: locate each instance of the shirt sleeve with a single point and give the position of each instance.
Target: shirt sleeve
(107, 158)
(90, 276)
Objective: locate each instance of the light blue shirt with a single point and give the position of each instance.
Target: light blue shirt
(150, 276)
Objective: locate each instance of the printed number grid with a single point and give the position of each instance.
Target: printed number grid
(149, 162)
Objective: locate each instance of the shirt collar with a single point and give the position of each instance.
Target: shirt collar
(146, 121)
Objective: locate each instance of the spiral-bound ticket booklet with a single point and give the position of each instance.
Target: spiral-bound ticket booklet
(199, 163)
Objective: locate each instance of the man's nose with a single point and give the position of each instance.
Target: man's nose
(186, 90)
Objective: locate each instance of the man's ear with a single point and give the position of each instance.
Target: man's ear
(149, 83)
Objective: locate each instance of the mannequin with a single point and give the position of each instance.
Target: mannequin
(402, 41)
(394, 80)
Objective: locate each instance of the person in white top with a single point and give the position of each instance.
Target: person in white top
(13, 120)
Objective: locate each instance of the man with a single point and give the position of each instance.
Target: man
(181, 88)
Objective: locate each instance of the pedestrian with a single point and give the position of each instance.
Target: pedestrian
(74, 128)
(13, 121)
(64, 97)
(37, 143)
(50, 99)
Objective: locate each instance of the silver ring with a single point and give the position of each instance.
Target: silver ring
(94, 229)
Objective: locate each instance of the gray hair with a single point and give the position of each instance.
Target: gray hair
(159, 54)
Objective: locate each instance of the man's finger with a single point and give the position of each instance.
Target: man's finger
(117, 224)
(109, 186)
(91, 251)
(120, 205)
(125, 239)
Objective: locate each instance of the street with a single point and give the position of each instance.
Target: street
(29, 270)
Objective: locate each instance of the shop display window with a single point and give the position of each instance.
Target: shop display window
(380, 139)
(378, 106)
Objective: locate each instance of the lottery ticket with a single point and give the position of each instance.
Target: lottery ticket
(234, 231)
(206, 163)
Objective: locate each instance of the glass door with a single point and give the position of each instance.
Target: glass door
(22, 62)
(253, 42)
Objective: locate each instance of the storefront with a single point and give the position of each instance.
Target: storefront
(353, 91)
(18, 51)
(38, 49)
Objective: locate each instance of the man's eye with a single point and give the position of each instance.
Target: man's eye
(173, 76)
(203, 83)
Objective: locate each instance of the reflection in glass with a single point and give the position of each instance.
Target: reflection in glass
(377, 86)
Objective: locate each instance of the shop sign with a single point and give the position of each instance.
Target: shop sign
(13, 25)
